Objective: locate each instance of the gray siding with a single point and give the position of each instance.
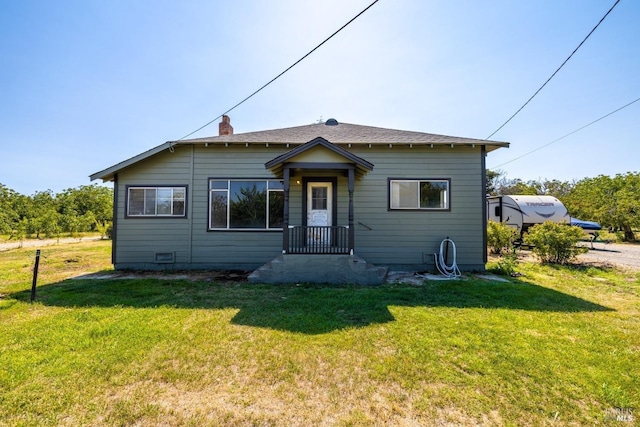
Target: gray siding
(409, 238)
(139, 239)
(230, 248)
(395, 238)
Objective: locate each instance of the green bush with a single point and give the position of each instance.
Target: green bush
(505, 266)
(555, 243)
(105, 229)
(500, 237)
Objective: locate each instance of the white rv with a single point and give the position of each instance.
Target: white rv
(521, 212)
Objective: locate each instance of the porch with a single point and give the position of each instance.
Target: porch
(319, 233)
(318, 250)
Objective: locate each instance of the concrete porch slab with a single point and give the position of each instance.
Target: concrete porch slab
(329, 269)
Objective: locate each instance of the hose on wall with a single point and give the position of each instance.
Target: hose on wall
(450, 271)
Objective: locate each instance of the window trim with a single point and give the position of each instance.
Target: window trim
(228, 190)
(419, 180)
(128, 188)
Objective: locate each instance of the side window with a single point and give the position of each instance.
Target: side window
(156, 201)
(419, 194)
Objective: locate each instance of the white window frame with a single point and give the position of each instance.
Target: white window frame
(271, 186)
(394, 201)
(148, 208)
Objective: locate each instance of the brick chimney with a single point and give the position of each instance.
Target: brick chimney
(224, 127)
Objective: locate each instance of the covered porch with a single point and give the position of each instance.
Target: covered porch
(320, 246)
(319, 231)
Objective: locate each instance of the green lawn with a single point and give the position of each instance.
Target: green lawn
(556, 346)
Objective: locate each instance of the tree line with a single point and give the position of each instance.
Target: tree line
(613, 202)
(45, 214)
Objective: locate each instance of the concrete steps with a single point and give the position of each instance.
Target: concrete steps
(330, 269)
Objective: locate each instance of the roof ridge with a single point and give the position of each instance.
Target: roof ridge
(341, 133)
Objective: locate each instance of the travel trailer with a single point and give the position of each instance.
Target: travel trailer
(522, 212)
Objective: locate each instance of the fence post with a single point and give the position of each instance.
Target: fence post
(35, 276)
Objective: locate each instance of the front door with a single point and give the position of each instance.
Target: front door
(319, 212)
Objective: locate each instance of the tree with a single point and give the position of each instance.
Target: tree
(555, 188)
(612, 202)
(499, 184)
(8, 216)
(43, 214)
(492, 178)
(87, 198)
(86, 208)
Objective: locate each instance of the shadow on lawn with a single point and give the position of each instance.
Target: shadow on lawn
(309, 309)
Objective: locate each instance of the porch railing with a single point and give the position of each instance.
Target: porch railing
(318, 240)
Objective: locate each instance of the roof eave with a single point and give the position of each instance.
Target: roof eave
(495, 145)
(108, 174)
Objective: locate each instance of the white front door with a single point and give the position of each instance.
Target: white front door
(319, 211)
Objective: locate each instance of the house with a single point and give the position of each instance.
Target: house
(326, 202)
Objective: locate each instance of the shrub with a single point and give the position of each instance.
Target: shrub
(105, 229)
(500, 237)
(554, 243)
(506, 265)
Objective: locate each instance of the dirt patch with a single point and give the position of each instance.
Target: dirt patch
(221, 276)
(34, 243)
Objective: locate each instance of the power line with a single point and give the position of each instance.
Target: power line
(555, 72)
(282, 73)
(570, 133)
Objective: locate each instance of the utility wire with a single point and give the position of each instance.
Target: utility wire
(569, 134)
(555, 72)
(282, 73)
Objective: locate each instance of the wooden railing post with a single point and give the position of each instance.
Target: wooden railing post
(352, 230)
(285, 225)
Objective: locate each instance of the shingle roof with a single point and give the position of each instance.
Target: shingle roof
(343, 133)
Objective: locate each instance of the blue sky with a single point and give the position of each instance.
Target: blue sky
(86, 84)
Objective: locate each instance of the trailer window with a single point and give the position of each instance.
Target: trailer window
(497, 211)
